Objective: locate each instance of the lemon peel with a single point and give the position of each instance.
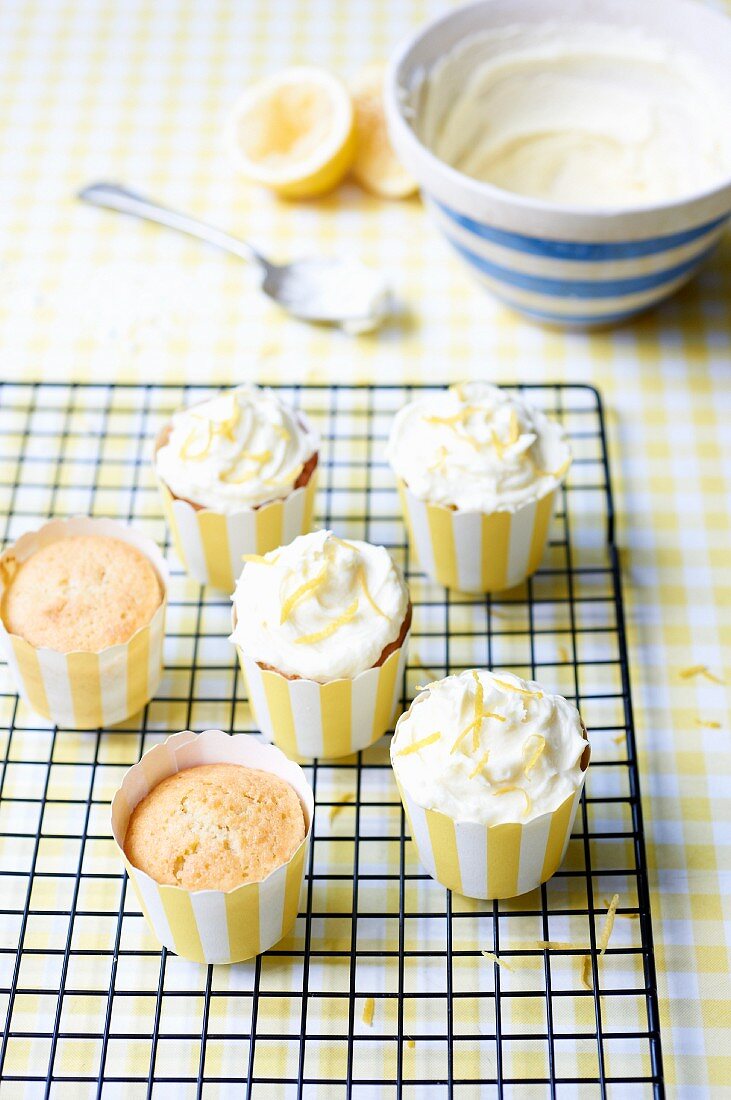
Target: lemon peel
(319, 636)
(364, 585)
(494, 959)
(348, 796)
(294, 132)
(304, 589)
(519, 690)
(260, 559)
(185, 453)
(608, 924)
(416, 746)
(480, 765)
(537, 752)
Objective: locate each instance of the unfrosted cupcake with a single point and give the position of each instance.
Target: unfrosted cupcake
(215, 827)
(478, 470)
(214, 832)
(238, 476)
(321, 628)
(82, 620)
(490, 768)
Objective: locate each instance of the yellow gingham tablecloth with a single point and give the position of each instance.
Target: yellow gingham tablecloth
(137, 92)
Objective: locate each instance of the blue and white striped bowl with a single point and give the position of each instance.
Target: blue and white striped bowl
(568, 266)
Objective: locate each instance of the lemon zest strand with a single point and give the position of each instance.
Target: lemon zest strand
(415, 746)
(498, 444)
(519, 690)
(708, 723)
(514, 435)
(480, 765)
(585, 972)
(366, 593)
(700, 670)
(260, 559)
(523, 791)
(326, 632)
(608, 924)
(537, 753)
(349, 796)
(185, 453)
(299, 593)
(463, 734)
(479, 699)
(494, 959)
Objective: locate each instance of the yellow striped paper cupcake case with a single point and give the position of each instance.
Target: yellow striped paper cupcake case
(211, 544)
(307, 719)
(215, 926)
(86, 690)
(492, 861)
(477, 551)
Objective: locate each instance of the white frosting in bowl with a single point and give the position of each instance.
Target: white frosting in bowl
(477, 448)
(489, 747)
(578, 114)
(238, 450)
(321, 608)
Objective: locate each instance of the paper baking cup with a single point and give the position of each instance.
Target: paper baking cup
(211, 544)
(215, 926)
(307, 719)
(477, 551)
(86, 690)
(492, 861)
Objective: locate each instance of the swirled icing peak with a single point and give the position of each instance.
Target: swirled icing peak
(478, 448)
(320, 608)
(489, 747)
(240, 449)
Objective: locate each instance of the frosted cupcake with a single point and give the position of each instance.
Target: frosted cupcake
(490, 769)
(238, 476)
(321, 627)
(478, 471)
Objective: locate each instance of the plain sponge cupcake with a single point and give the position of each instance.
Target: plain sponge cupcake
(83, 593)
(215, 827)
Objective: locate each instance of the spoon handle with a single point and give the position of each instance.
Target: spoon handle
(114, 197)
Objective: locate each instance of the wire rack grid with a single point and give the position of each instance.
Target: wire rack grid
(92, 1007)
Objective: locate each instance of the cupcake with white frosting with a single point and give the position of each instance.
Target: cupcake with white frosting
(478, 471)
(321, 627)
(238, 476)
(490, 769)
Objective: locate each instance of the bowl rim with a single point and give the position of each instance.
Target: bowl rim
(510, 201)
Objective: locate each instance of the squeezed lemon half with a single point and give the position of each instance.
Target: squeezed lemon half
(294, 132)
(376, 166)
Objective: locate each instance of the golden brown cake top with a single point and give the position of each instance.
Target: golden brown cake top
(215, 827)
(85, 592)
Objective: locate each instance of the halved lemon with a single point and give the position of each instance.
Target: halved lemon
(376, 166)
(294, 132)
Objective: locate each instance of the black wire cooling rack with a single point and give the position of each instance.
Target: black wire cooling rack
(92, 1008)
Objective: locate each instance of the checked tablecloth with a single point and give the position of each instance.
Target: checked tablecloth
(138, 92)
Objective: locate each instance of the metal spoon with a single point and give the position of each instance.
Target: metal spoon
(328, 291)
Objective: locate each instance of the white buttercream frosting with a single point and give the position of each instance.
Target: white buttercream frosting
(506, 750)
(580, 114)
(322, 608)
(477, 448)
(239, 450)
